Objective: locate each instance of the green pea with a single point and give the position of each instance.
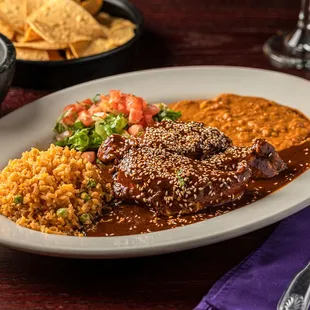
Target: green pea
(18, 199)
(91, 183)
(62, 212)
(85, 218)
(85, 197)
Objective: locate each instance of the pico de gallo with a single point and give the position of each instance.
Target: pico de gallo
(85, 124)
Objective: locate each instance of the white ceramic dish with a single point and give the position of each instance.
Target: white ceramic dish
(32, 125)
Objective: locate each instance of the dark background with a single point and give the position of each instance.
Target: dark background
(178, 32)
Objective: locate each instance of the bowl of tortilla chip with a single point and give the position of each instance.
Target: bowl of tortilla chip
(7, 66)
(60, 43)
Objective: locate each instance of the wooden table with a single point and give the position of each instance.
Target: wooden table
(179, 32)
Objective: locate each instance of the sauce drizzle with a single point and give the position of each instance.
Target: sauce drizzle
(135, 219)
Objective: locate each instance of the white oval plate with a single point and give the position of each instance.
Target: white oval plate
(32, 125)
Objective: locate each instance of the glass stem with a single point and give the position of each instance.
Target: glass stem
(303, 21)
(298, 41)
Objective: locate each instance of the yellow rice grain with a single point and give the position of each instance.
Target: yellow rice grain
(47, 181)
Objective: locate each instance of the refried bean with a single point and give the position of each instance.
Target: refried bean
(246, 118)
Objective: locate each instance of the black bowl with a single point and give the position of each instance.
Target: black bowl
(7, 65)
(53, 75)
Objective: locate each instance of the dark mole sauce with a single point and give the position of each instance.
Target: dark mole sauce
(134, 219)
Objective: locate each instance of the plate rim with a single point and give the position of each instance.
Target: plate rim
(133, 73)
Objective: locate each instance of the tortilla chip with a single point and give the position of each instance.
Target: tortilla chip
(18, 38)
(31, 36)
(77, 47)
(55, 56)
(6, 30)
(92, 6)
(41, 45)
(88, 48)
(120, 36)
(64, 21)
(122, 23)
(13, 12)
(104, 19)
(69, 54)
(33, 5)
(114, 22)
(31, 54)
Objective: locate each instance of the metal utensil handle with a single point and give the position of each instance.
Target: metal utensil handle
(297, 295)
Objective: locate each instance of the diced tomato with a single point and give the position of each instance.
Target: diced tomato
(135, 116)
(79, 107)
(90, 156)
(142, 123)
(70, 107)
(122, 108)
(70, 115)
(115, 95)
(104, 106)
(85, 118)
(94, 109)
(148, 120)
(102, 115)
(104, 97)
(133, 107)
(151, 109)
(87, 102)
(68, 120)
(134, 103)
(134, 130)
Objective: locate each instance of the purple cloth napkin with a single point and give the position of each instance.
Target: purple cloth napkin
(259, 281)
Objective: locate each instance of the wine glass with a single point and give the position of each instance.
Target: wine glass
(292, 50)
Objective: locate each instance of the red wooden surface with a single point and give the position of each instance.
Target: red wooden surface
(178, 32)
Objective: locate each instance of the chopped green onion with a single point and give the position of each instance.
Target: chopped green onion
(85, 218)
(167, 114)
(62, 212)
(59, 128)
(18, 199)
(180, 178)
(91, 183)
(96, 99)
(85, 197)
(98, 161)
